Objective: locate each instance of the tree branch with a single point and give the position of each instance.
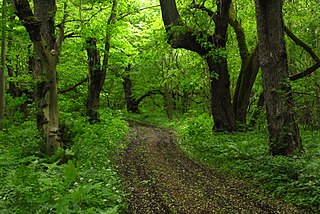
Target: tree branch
(302, 44)
(147, 94)
(112, 19)
(25, 14)
(60, 37)
(74, 86)
(241, 38)
(207, 10)
(307, 48)
(138, 11)
(306, 72)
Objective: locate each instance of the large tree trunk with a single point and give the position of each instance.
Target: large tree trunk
(191, 40)
(41, 29)
(47, 53)
(3, 59)
(220, 96)
(283, 131)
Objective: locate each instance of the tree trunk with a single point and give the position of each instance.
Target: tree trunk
(41, 29)
(250, 65)
(283, 131)
(98, 71)
(244, 86)
(96, 80)
(168, 100)
(191, 40)
(3, 59)
(132, 105)
(223, 115)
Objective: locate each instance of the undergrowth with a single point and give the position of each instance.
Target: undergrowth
(246, 155)
(86, 183)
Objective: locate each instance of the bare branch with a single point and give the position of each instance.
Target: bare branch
(305, 93)
(306, 72)
(60, 37)
(207, 10)
(138, 11)
(302, 44)
(25, 14)
(74, 86)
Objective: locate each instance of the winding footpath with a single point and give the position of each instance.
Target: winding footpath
(159, 178)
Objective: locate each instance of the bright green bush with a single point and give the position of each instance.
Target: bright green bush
(86, 183)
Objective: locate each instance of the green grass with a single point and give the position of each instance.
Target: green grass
(87, 183)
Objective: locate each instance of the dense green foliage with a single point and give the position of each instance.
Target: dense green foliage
(82, 177)
(87, 182)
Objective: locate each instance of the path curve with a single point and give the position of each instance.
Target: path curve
(159, 178)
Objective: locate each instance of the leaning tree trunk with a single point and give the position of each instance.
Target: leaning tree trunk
(250, 65)
(190, 39)
(245, 82)
(41, 29)
(283, 131)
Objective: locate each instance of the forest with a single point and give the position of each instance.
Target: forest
(169, 106)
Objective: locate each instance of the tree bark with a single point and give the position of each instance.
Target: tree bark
(41, 29)
(3, 59)
(132, 105)
(246, 79)
(98, 71)
(96, 80)
(284, 133)
(223, 116)
(181, 36)
(168, 100)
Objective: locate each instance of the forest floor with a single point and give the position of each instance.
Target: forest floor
(159, 178)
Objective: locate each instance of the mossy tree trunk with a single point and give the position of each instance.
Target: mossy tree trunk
(283, 130)
(41, 28)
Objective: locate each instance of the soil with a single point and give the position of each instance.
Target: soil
(159, 178)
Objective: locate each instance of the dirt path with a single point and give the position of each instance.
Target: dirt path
(159, 178)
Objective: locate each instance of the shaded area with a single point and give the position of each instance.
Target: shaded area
(159, 178)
